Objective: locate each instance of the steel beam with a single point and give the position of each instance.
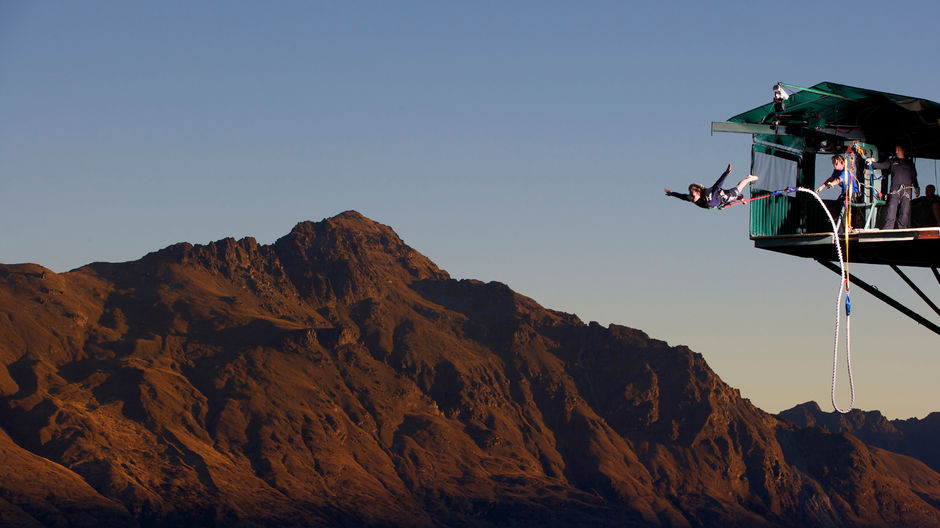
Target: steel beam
(884, 298)
(915, 288)
(744, 128)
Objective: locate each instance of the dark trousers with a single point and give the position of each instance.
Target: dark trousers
(898, 212)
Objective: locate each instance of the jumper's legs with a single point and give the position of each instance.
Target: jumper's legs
(743, 183)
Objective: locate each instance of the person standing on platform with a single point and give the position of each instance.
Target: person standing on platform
(841, 176)
(903, 179)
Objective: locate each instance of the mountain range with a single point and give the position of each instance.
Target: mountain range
(919, 438)
(337, 377)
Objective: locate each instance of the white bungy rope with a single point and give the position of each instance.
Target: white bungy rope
(848, 315)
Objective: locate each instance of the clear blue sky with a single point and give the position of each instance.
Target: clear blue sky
(526, 142)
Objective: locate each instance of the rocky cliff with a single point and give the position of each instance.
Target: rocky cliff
(919, 438)
(338, 377)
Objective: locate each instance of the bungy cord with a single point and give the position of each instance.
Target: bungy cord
(843, 288)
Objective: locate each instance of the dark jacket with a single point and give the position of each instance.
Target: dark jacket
(902, 170)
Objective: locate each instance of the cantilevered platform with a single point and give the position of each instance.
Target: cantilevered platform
(918, 247)
(795, 130)
(900, 247)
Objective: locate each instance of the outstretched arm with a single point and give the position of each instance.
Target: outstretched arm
(828, 183)
(681, 196)
(721, 179)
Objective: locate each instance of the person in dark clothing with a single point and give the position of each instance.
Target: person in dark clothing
(903, 179)
(714, 196)
(841, 176)
(925, 211)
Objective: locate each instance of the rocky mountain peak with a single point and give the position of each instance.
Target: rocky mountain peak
(339, 377)
(350, 257)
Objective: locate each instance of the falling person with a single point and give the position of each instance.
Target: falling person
(714, 196)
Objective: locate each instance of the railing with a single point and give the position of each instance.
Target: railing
(773, 216)
(789, 215)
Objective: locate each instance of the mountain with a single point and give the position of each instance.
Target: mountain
(918, 438)
(337, 377)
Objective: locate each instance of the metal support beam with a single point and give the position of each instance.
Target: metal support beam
(915, 288)
(745, 128)
(884, 298)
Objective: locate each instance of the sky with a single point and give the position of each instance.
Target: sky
(525, 142)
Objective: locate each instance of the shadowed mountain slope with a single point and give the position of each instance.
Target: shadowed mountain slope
(338, 377)
(919, 438)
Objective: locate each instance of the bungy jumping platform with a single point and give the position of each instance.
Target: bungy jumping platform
(917, 247)
(797, 131)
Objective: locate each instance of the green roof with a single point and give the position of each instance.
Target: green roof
(835, 112)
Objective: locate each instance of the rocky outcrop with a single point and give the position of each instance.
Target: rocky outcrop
(338, 377)
(919, 438)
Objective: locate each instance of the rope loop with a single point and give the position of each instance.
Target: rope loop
(843, 289)
(843, 285)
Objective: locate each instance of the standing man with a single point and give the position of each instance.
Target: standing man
(903, 179)
(925, 211)
(841, 176)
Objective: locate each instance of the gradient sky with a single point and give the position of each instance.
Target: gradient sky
(526, 142)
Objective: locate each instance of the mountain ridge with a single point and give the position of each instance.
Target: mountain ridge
(339, 376)
(912, 436)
